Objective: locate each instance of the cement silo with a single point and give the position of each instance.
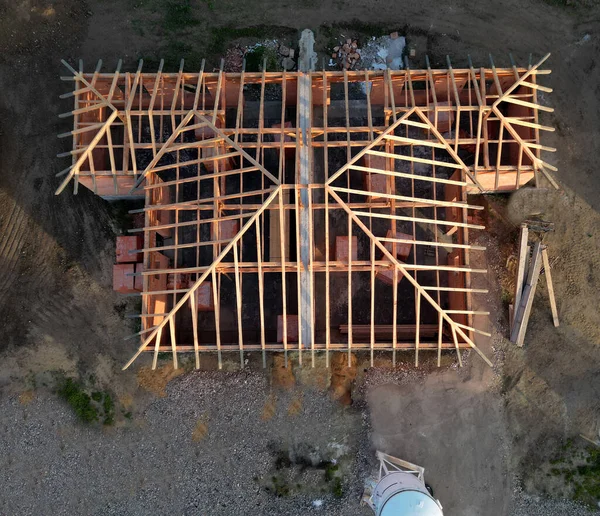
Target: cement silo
(399, 490)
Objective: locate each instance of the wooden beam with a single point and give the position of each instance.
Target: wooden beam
(523, 311)
(548, 275)
(522, 262)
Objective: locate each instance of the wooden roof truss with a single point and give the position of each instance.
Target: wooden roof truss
(222, 189)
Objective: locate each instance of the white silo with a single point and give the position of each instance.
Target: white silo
(400, 490)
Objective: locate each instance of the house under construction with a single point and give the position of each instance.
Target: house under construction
(306, 212)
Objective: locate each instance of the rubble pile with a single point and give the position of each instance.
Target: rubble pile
(347, 54)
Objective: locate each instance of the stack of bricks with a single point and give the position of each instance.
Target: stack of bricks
(228, 229)
(374, 182)
(342, 249)
(291, 328)
(204, 297)
(128, 264)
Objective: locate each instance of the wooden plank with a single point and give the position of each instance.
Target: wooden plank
(156, 348)
(261, 293)
(440, 337)
(455, 338)
(238, 302)
(548, 275)
(394, 173)
(523, 259)
(524, 309)
(431, 202)
(278, 249)
(173, 342)
(194, 310)
(217, 301)
(418, 327)
(372, 329)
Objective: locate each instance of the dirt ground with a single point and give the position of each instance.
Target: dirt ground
(487, 438)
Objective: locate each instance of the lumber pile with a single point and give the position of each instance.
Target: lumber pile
(347, 54)
(531, 259)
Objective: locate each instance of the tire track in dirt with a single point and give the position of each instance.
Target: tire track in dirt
(12, 240)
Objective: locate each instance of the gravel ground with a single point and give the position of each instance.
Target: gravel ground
(211, 446)
(51, 464)
(536, 506)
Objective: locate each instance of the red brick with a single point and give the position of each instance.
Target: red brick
(373, 182)
(227, 229)
(124, 244)
(177, 280)
(387, 276)
(402, 249)
(138, 281)
(122, 282)
(158, 282)
(292, 328)
(342, 251)
(204, 297)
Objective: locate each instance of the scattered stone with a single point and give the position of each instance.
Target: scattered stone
(287, 63)
(284, 51)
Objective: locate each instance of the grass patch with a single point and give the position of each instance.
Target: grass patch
(333, 478)
(255, 59)
(280, 487)
(79, 400)
(335, 30)
(330, 472)
(337, 488)
(584, 478)
(172, 54)
(88, 407)
(178, 15)
(109, 409)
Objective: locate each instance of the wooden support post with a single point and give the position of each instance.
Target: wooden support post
(217, 301)
(523, 259)
(372, 301)
(261, 293)
(194, 310)
(548, 275)
(238, 300)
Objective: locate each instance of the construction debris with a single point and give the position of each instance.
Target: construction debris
(287, 54)
(347, 54)
(528, 273)
(386, 52)
(234, 59)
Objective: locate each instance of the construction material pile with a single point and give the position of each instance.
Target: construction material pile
(385, 52)
(234, 59)
(347, 54)
(287, 57)
(533, 259)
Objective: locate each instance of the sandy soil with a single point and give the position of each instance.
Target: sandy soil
(58, 313)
